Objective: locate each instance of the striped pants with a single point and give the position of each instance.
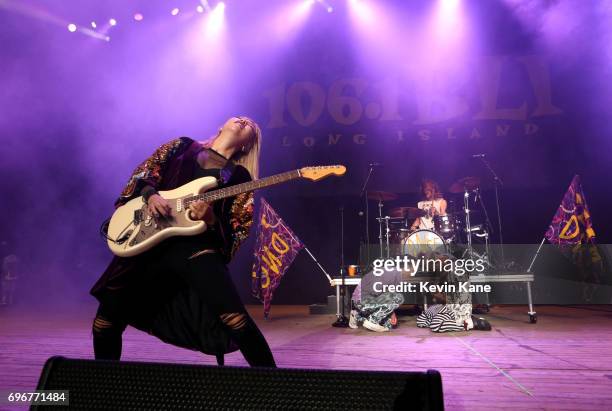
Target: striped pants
(440, 318)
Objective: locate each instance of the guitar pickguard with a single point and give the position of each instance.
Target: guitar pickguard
(148, 227)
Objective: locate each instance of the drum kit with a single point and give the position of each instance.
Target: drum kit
(457, 230)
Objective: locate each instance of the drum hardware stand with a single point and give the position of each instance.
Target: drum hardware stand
(497, 182)
(473, 254)
(487, 253)
(388, 233)
(486, 257)
(380, 229)
(486, 232)
(468, 228)
(342, 321)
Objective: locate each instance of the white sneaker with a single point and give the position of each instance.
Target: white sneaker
(353, 320)
(468, 324)
(374, 327)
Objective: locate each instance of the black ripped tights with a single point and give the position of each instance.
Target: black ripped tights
(209, 276)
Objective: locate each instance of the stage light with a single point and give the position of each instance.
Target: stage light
(87, 32)
(216, 19)
(448, 6)
(138, 17)
(175, 11)
(93, 25)
(330, 9)
(289, 20)
(205, 6)
(200, 9)
(306, 5)
(447, 22)
(112, 22)
(361, 12)
(206, 45)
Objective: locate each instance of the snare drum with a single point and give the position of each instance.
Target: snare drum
(423, 242)
(444, 225)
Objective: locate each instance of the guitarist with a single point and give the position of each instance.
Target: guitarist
(181, 290)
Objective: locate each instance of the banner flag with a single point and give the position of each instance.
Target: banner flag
(275, 249)
(572, 231)
(572, 223)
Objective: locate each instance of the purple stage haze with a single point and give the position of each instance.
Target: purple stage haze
(418, 85)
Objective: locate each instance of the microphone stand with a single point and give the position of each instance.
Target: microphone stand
(342, 321)
(364, 194)
(497, 183)
(484, 210)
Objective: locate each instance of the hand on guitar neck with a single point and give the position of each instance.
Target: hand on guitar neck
(201, 210)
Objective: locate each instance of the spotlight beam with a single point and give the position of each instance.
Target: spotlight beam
(216, 20)
(91, 33)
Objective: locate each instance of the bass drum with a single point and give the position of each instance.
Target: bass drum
(423, 243)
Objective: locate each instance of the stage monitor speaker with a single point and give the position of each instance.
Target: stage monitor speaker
(116, 385)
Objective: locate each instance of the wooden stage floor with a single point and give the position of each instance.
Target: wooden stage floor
(564, 362)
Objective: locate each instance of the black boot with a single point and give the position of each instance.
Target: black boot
(107, 339)
(253, 345)
(481, 324)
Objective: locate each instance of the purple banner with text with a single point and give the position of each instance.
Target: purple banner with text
(275, 249)
(572, 221)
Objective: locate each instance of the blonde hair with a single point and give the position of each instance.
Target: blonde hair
(249, 157)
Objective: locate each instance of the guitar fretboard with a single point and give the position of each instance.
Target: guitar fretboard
(231, 191)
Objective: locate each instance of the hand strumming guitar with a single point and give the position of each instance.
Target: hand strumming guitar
(158, 206)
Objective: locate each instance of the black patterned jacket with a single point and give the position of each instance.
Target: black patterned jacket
(171, 165)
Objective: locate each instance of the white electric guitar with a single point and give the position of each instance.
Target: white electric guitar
(132, 230)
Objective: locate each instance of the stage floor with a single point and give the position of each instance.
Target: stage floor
(564, 362)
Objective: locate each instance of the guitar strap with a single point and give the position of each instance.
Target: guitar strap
(226, 173)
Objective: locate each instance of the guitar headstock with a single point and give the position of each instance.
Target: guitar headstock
(318, 172)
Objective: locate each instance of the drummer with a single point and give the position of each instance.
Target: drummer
(434, 204)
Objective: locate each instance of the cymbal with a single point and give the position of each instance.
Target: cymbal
(465, 183)
(381, 195)
(407, 212)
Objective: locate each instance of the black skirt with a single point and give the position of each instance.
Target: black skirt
(176, 298)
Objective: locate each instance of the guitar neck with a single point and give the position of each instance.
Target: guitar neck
(231, 191)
